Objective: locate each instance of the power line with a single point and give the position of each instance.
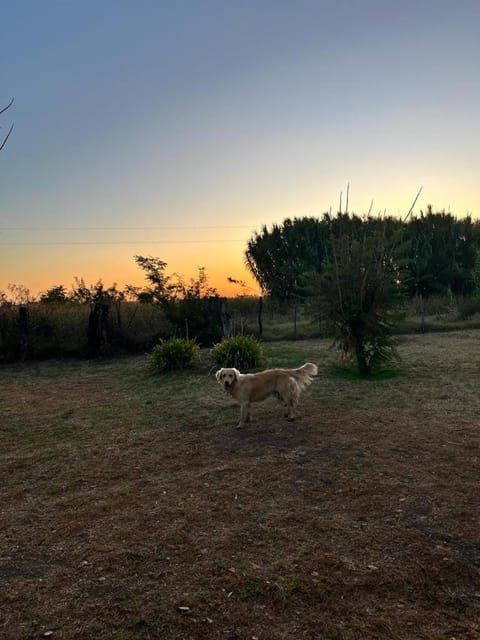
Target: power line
(140, 228)
(113, 242)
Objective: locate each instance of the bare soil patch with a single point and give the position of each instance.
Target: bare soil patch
(132, 508)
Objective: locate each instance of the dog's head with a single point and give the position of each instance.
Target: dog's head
(227, 377)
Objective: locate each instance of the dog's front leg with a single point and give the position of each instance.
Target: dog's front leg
(290, 415)
(244, 414)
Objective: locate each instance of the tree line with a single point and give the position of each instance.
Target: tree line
(347, 271)
(435, 253)
(354, 271)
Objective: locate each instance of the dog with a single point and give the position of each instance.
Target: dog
(284, 384)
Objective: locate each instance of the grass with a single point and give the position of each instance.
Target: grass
(132, 507)
(350, 372)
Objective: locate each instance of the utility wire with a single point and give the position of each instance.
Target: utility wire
(113, 242)
(31, 243)
(144, 228)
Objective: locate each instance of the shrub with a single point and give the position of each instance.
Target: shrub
(174, 354)
(241, 352)
(356, 295)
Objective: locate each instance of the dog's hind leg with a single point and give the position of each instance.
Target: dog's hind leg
(292, 399)
(244, 414)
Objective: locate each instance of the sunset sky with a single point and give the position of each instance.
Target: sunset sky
(176, 129)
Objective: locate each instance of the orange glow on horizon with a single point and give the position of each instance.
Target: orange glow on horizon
(116, 265)
(108, 255)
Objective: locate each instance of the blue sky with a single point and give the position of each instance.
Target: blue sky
(176, 129)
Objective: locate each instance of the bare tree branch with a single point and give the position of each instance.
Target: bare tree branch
(6, 138)
(7, 107)
(11, 128)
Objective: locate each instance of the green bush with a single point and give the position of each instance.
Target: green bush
(241, 352)
(174, 354)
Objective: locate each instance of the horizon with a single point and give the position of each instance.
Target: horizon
(236, 287)
(179, 130)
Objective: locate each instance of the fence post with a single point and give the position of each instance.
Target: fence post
(23, 331)
(98, 330)
(227, 325)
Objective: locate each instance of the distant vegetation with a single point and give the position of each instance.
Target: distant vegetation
(358, 280)
(356, 272)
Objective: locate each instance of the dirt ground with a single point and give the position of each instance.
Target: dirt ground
(132, 508)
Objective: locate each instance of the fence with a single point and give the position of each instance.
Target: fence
(39, 331)
(104, 329)
(101, 329)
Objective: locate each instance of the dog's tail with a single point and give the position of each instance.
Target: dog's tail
(304, 375)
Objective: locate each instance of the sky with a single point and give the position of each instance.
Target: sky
(177, 129)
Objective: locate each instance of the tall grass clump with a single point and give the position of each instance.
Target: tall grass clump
(241, 352)
(174, 354)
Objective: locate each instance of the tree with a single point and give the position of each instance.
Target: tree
(193, 310)
(476, 275)
(466, 252)
(55, 295)
(197, 288)
(19, 294)
(154, 268)
(97, 292)
(440, 256)
(196, 309)
(280, 257)
(356, 292)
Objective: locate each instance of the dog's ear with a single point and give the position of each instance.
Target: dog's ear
(218, 374)
(237, 373)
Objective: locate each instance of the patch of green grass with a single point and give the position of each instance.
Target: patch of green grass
(351, 373)
(435, 324)
(294, 354)
(280, 591)
(252, 587)
(306, 330)
(290, 586)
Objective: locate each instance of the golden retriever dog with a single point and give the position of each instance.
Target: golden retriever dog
(284, 384)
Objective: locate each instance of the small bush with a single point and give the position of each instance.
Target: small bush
(241, 352)
(174, 354)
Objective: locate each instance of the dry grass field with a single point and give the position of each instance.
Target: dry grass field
(131, 508)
